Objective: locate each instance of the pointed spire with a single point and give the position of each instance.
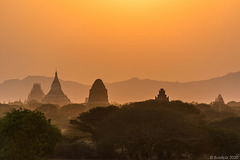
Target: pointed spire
(56, 95)
(56, 80)
(220, 99)
(56, 74)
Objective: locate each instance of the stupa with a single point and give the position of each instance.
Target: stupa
(162, 96)
(98, 94)
(36, 94)
(56, 95)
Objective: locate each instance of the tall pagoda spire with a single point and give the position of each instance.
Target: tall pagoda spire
(56, 95)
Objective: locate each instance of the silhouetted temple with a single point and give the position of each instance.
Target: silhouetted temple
(56, 95)
(220, 100)
(36, 93)
(162, 96)
(219, 103)
(98, 95)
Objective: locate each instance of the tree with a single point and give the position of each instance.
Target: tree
(231, 123)
(224, 141)
(27, 135)
(158, 130)
(72, 110)
(225, 136)
(48, 109)
(90, 121)
(145, 130)
(72, 148)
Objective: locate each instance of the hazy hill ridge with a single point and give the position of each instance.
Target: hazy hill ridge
(132, 90)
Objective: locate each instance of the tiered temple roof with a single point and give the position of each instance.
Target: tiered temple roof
(162, 96)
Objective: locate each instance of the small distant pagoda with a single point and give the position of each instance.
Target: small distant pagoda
(36, 94)
(56, 95)
(98, 95)
(219, 100)
(219, 103)
(162, 96)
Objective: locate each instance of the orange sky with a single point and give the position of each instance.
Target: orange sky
(118, 39)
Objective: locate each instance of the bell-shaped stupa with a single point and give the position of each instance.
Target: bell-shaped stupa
(36, 94)
(98, 94)
(56, 95)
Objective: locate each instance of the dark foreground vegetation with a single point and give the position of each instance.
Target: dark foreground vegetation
(142, 130)
(27, 135)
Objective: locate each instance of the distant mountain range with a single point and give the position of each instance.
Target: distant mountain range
(132, 90)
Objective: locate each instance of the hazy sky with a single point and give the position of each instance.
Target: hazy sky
(174, 40)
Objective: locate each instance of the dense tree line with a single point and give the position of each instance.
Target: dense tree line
(141, 130)
(157, 130)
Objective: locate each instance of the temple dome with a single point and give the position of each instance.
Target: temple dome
(98, 94)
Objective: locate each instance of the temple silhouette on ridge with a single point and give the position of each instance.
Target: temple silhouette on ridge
(219, 103)
(162, 96)
(56, 95)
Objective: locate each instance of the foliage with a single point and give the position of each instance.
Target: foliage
(225, 136)
(72, 148)
(232, 123)
(224, 141)
(4, 108)
(213, 115)
(27, 135)
(158, 130)
(144, 130)
(61, 116)
(33, 104)
(72, 110)
(47, 108)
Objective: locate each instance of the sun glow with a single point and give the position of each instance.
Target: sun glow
(134, 4)
(144, 35)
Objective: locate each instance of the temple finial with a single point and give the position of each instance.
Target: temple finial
(56, 73)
